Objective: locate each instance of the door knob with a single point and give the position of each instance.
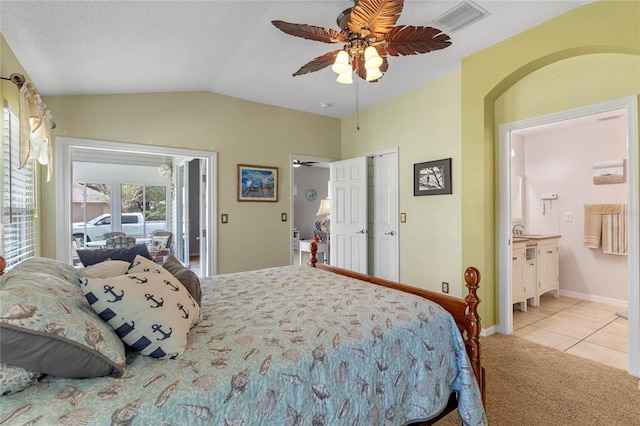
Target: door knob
(389, 233)
(362, 231)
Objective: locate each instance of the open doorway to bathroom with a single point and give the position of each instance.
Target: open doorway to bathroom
(553, 159)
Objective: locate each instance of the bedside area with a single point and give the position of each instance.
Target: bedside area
(535, 268)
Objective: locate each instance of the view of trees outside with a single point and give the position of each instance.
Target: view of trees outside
(150, 200)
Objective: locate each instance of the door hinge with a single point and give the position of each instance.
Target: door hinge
(204, 233)
(204, 178)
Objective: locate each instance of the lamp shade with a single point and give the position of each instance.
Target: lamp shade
(373, 74)
(325, 208)
(345, 78)
(341, 65)
(371, 58)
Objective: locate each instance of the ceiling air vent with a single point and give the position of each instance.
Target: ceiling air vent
(461, 15)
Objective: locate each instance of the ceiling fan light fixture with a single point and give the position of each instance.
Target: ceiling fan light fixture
(341, 65)
(371, 58)
(373, 74)
(345, 78)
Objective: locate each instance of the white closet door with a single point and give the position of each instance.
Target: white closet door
(349, 214)
(384, 205)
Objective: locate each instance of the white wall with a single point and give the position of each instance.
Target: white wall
(304, 211)
(561, 161)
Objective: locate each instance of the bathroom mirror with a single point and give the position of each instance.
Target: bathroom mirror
(517, 197)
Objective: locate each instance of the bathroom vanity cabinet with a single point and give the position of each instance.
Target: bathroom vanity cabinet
(535, 268)
(548, 270)
(523, 275)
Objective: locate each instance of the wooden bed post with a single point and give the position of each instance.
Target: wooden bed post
(472, 320)
(314, 252)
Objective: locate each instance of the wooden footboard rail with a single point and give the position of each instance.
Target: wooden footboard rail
(464, 311)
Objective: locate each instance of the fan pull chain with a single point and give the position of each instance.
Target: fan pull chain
(357, 105)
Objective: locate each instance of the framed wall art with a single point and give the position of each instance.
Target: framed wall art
(607, 172)
(257, 183)
(432, 177)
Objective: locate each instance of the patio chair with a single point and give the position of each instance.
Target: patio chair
(113, 234)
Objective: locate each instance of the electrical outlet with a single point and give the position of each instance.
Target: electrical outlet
(445, 287)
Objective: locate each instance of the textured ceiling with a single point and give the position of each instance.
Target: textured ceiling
(231, 48)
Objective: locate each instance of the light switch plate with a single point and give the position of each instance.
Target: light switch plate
(568, 217)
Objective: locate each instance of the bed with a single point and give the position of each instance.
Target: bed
(295, 345)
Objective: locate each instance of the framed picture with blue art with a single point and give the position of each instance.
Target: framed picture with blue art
(432, 177)
(257, 183)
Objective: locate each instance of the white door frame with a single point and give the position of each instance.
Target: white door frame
(63, 167)
(293, 191)
(505, 324)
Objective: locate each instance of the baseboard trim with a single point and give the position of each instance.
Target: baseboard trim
(597, 299)
(486, 332)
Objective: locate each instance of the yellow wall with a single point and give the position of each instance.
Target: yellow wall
(425, 125)
(454, 116)
(241, 132)
(600, 27)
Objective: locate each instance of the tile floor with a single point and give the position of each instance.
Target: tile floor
(586, 329)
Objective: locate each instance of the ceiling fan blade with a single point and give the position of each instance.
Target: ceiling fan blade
(311, 32)
(406, 40)
(318, 63)
(377, 16)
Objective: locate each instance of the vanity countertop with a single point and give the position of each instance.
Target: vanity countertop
(536, 236)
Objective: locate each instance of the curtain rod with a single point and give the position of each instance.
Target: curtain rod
(15, 78)
(18, 80)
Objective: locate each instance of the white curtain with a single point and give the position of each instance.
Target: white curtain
(35, 128)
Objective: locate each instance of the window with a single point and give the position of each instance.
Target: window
(150, 201)
(18, 197)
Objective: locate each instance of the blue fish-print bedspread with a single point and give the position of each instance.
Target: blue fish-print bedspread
(280, 346)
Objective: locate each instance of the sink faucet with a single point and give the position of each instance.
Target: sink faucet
(518, 229)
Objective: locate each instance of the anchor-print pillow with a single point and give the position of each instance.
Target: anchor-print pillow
(147, 307)
(47, 326)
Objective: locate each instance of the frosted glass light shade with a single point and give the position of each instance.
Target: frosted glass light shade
(341, 65)
(345, 78)
(164, 170)
(374, 74)
(371, 58)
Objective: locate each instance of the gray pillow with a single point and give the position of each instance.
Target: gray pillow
(46, 325)
(186, 277)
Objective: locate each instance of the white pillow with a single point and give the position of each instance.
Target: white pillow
(106, 269)
(148, 308)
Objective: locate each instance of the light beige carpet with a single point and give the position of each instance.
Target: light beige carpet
(530, 384)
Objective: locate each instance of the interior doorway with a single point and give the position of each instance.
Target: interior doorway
(309, 191)
(112, 153)
(629, 104)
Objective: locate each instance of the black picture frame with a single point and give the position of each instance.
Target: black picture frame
(432, 177)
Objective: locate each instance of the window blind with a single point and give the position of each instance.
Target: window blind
(18, 199)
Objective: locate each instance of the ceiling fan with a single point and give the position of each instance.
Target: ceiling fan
(298, 163)
(368, 33)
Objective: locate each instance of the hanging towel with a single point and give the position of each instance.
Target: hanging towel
(595, 215)
(614, 232)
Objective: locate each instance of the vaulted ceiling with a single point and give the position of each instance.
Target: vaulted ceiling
(231, 47)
